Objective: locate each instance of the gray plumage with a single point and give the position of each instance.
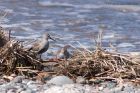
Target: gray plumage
(63, 53)
(42, 45)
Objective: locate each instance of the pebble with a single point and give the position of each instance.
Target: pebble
(138, 91)
(128, 88)
(70, 88)
(101, 88)
(109, 84)
(80, 80)
(18, 79)
(60, 80)
(118, 89)
(20, 90)
(11, 91)
(27, 91)
(63, 84)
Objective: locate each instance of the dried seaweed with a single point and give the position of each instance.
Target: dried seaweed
(12, 55)
(89, 64)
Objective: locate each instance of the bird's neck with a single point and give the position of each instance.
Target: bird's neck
(44, 39)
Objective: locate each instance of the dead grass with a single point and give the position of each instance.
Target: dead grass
(13, 55)
(100, 63)
(89, 64)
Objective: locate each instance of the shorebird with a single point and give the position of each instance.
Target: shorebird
(41, 46)
(63, 53)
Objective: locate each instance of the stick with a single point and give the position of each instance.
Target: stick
(10, 35)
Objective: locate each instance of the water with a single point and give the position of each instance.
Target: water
(69, 21)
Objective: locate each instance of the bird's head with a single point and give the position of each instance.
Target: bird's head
(47, 36)
(66, 47)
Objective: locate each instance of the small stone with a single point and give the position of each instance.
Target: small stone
(60, 80)
(80, 80)
(30, 83)
(55, 89)
(101, 88)
(20, 89)
(11, 91)
(129, 88)
(13, 75)
(27, 91)
(71, 88)
(117, 89)
(2, 81)
(18, 79)
(137, 91)
(111, 84)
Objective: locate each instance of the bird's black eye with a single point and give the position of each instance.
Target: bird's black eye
(48, 35)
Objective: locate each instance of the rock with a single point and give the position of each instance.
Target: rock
(71, 88)
(118, 89)
(11, 91)
(45, 87)
(129, 88)
(25, 81)
(34, 85)
(101, 88)
(80, 80)
(55, 89)
(2, 81)
(137, 91)
(18, 79)
(19, 90)
(111, 84)
(27, 91)
(30, 83)
(60, 80)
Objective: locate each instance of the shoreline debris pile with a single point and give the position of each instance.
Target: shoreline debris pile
(90, 65)
(101, 63)
(13, 56)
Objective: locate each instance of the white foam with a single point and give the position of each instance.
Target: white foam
(24, 8)
(125, 45)
(109, 36)
(27, 28)
(9, 10)
(67, 37)
(4, 20)
(71, 13)
(42, 20)
(119, 7)
(45, 25)
(14, 25)
(27, 37)
(49, 3)
(27, 14)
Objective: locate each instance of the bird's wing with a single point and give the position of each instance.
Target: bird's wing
(59, 53)
(67, 54)
(43, 47)
(34, 47)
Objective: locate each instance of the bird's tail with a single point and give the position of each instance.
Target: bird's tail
(30, 49)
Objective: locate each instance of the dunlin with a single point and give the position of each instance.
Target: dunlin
(63, 53)
(41, 46)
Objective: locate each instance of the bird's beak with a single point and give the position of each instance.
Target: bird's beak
(52, 39)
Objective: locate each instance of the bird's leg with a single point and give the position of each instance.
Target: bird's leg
(40, 56)
(66, 61)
